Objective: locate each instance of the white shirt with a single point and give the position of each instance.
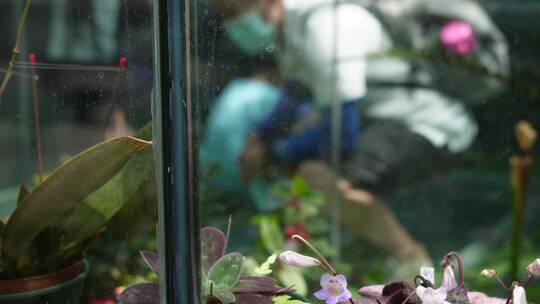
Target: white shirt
(315, 35)
(313, 29)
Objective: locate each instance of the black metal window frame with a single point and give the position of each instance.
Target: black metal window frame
(178, 227)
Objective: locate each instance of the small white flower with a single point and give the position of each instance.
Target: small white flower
(448, 278)
(534, 267)
(518, 296)
(295, 259)
(429, 295)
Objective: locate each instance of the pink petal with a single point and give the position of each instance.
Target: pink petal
(373, 291)
(345, 296)
(325, 279)
(476, 297)
(341, 279)
(321, 294)
(332, 300)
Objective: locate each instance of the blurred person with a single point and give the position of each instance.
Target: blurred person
(305, 52)
(416, 118)
(315, 75)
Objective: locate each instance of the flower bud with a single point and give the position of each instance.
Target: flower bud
(295, 259)
(534, 267)
(488, 273)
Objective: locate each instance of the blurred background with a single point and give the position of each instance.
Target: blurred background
(459, 200)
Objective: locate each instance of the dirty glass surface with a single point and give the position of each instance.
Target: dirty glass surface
(77, 179)
(386, 133)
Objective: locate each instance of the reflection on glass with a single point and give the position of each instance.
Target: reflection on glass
(77, 194)
(378, 135)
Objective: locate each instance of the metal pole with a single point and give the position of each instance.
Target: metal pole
(178, 227)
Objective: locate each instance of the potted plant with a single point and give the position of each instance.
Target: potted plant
(226, 277)
(43, 242)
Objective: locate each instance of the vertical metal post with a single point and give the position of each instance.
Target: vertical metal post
(26, 160)
(177, 209)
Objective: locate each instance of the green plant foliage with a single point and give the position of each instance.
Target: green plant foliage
(266, 267)
(271, 234)
(285, 299)
(41, 211)
(100, 206)
(226, 271)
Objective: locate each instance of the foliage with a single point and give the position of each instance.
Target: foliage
(53, 224)
(300, 214)
(223, 279)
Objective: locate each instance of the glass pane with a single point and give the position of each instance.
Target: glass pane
(77, 188)
(386, 133)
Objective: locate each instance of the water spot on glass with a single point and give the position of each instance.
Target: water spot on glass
(100, 75)
(271, 48)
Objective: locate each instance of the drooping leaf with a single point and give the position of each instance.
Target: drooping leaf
(253, 298)
(226, 271)
(64, 190)
(147, 293)
(151, 259)
(271, 234)
(213, 242)
(101, 205)
(222, 292)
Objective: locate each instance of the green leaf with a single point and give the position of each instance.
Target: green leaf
(61, 192)
(285, 299)
(23, 193)
(299, 187)
(290, 276)
(227, 270)
(265, 269)
(100, 206)
(271, 234)
(222, 292)
(145, 133)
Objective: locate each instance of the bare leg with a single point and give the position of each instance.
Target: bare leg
(369, 218)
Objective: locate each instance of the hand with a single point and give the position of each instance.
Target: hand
(253, 158)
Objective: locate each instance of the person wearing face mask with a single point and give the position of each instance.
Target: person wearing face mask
(322, 49)
(316, 74)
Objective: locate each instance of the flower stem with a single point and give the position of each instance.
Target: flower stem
(37, 124)
(324, 262)
(460, 266)
(16, 48)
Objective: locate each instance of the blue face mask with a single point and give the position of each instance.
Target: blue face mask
(250, 32)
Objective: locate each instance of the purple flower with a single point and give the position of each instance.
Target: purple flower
(334, 289)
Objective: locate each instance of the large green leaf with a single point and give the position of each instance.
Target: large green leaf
(64, 189)
(100, 206)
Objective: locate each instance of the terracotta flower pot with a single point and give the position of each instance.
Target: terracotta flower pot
(62, 287)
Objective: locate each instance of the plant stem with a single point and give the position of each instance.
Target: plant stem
(519, 177)
(37, 125)
(15, 53)
(324, 262)
(460, 266)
